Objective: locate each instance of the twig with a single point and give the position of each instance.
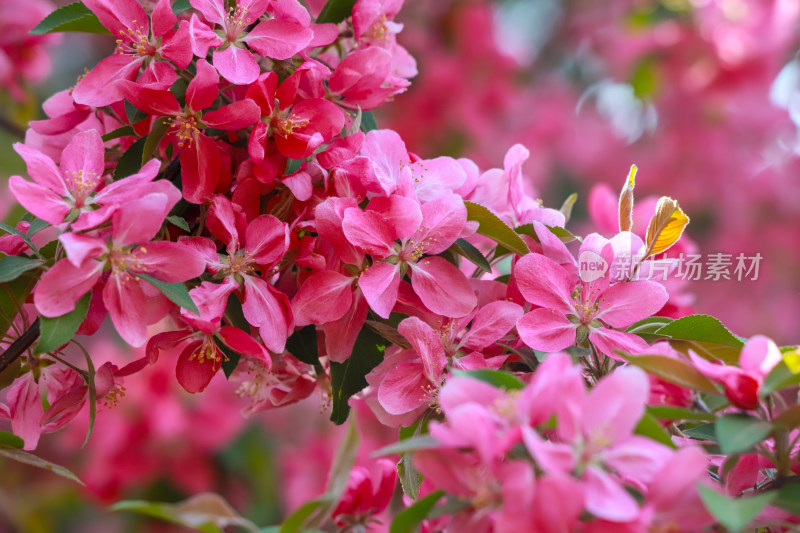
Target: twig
(19, 346)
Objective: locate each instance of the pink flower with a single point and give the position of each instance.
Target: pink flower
(570, 306)
(298, 126)
(277, 38)
(77, 183)
(368, 493)
(125, 249)
(139, 44)
(201, 159)
(759, 356)
(265, 241)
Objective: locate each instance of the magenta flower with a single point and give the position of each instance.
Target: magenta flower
(277, 38)
(139, 44)
(570, 308)
(368, 493)
(126, 250)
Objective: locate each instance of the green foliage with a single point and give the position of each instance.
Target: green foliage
(674, 371)
(131, 161)
(491, 226)
(152, 140)
(467, 250)
(368, 122)
(409, 519)
(705, 335)
(208, 513)
(496, 378)
(734, 513)
(179, 222)
(10, 440)
(335, 11)
(348, 378)
(176, 292)
(73, 17)
(57, 331)
(302, 344)
(13, 266)
(649, 427)
(21, 456)
(738, 433)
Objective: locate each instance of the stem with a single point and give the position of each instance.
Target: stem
(19, 346)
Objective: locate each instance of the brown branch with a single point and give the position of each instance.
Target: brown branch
(19, 346)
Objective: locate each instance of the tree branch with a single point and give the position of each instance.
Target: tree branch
(19, 346)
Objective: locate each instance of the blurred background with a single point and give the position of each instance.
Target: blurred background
(702, 95)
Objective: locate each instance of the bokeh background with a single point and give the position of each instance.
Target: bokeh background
(701, 94)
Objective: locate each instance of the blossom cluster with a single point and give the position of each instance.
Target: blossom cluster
(217, 187)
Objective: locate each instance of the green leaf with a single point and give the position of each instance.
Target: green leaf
(10, 440)
(292, 166)
(206, 512)
(738, 433)
(348, 378)
(295, 521)
(29, 459)
(15, 231)
(409, 519)
(335, 11)
(233, 357)
(134, 114)
(789, 418)
(179, 221)
(562, 233)
(734, 513)
(368, 122)
(496, 378)
(181, 6)
(649, 427)
(302, 344)
(789, 498)
(646, 328)
(152, 140)
(131, 161)
(92, 396)
(491, 226)
(12, 295)
(466, 249)
(709, 336)
(389, 333)
(423, 442)
(176, 292)
(37, 225)
(675, 371)
(11, 373)
(566, 207)
(122, 131)
(72, 17)
(779, 378)
(702, 432)
(59, 330)
(668, 412)
(13, 266)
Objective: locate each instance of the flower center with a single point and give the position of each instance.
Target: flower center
(236, 22)
(208, 351)
(81, 184)
(286, 126)
(185, 129)
(135, 43)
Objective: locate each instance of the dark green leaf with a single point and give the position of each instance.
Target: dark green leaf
(702, 432)
(292, 166)
(72, 17)
(302, 344)
(409, 519)
(15, 231)
(348, 378)
(134, 114)
(13, 266)
(11, 373)
(789, 498)
(233, 357)
(368, 122)
(131, 161)
(37, 225)
(29, 459)
(389, 333)
(734, 513)
(178, 221)
(738, 433)
(12, 295)
(649, 427)
(335, 11)
(157, 133)
(122, 131)
(176, 292)
(294, 523)
(234, 314)
(496, 378)
(180, 6)
(10, 440)
(668, 412)
(491, 226)
(59, 330)
(92, 396)
(410, 478)
(466, 249)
